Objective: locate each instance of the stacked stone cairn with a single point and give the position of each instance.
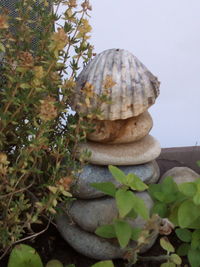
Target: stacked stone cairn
(120, 138)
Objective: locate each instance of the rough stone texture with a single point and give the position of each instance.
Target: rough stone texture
(121, 131)
(181, 175)
(90, 214)
(148, 173)
(131, 87)
(139, 152)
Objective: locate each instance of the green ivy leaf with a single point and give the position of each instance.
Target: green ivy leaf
(183, 249)
(106, 231)
(103, 264)
(124, 200)
(160, 209)
(140, 207)
(23, 256)
(195, 244)
(175, 259)
(166, 245)
(184, 234)
(188, 189)
(117, 174)
(123, 232)
(187, 213)
(194, 257)
(107, 188)
(135, 183)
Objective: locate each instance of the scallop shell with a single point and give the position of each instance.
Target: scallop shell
(131, 87)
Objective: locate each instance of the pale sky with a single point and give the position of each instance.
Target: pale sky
(164, 36)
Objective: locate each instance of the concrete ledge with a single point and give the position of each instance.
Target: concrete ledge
(179, 157)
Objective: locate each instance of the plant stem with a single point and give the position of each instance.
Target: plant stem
(154, 258)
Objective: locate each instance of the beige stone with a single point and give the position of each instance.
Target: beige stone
(121, 131)
(181, 175)
(139, 152)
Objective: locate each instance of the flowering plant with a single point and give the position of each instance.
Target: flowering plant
(37, 76)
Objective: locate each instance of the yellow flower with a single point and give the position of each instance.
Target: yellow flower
(108, 83)
(88, 90)
(83, 29)
(72, 3)
(3, 159)
(39, 72)
(60, 39)
(86, 5)
(3, 22)
(48, 110)
(3, 163)
(69, 83)
(26, 58)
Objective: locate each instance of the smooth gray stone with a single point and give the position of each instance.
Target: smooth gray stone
(148, 173)
(181, 175)
(91, 245)
(90, 214)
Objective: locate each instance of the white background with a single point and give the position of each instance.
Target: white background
(164, 36)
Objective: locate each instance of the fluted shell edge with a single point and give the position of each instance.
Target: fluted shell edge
(133, 87)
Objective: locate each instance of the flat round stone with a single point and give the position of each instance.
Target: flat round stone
(121, 131)
(148, 173)
(92, 245)
(181, 175)
(90, 214)
(139, 152)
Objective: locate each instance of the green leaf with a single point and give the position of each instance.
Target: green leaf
(184, 234)
(135, 183)
(2, 48)
(159, 196)
(166, 245)
(198, 163)
(23, 256)
(124, 200)
(132, 214)
(168, 264)
(187, 213)
(169, 186)
(195, 239)
(103, 264)
(106, 231)
(70, 265)
(135, 233)
(175, 259)
(160, 209)
(117, 174)
(140, 207)
(123, 232)
(54, 263)
(183, 249)
(188, 189)
(107, 188)
(194, 257)
(153, 188)
(196, 199)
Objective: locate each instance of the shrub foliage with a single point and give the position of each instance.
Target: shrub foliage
(38, 134)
